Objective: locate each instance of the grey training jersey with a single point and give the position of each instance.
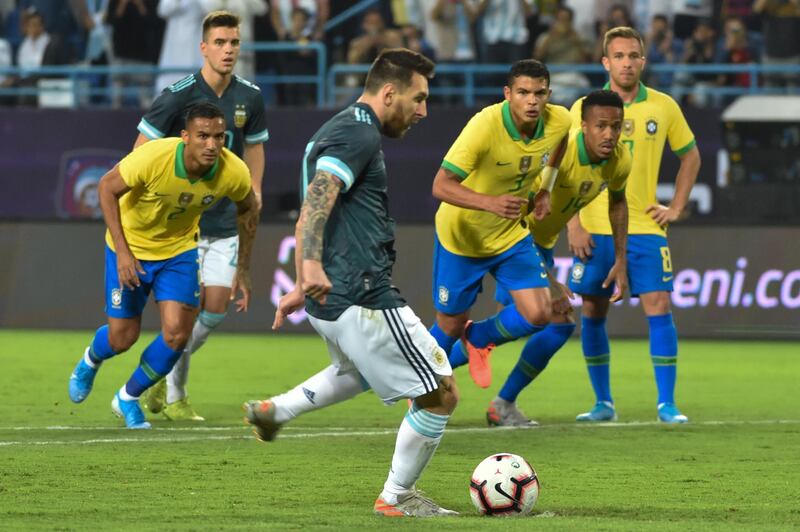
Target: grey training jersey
(245, 122)
(358, 253)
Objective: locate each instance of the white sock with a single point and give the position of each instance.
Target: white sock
(89, 362)
(179, 375)
(323, 389)
(418, 437)
(125, 396)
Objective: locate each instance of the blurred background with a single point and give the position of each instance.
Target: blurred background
(77, 75)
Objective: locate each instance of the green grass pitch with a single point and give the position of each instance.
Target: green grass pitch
(73, 467)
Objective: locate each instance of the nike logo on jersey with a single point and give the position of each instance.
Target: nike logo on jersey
(666, 278)
(160, 195)
(498, 163)
(543, 275)
(564, 186)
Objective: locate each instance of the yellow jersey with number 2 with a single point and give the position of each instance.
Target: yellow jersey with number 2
(652, 119)
(493, 158)
(161, 212)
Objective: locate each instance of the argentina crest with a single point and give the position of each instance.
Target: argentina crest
(240, 115)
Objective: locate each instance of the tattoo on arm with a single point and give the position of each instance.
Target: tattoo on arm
(320, 199)
(247, 222)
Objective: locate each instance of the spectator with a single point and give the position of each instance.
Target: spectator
(65, 21)
(445, 26)
(136, 35)
(661, 48)
(562, 45)
(644, 10)
(302, 62)
(700, 49)
(318, 11)
(736, 51)
(687, 14)
(584, 21)
(618, 15)
(31, 51)
(505, 32)
(742, 9)
(375, 37)
(781, 24)
(603, 10)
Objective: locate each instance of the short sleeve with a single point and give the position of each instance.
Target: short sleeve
(575, 112)
(680, 136)
(348, 151)
(255, 130)
(240, 177)
(135, 168)
(158, 120)
(621, 170)
(472, 143)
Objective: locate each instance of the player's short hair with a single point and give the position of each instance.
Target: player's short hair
(621, 32)
(219, 19)
(601, 98)
(204, 110)
(397, 65)
(530, 68)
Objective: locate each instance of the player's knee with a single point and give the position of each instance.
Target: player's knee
(175, 337)
(540, 316)
(452, 324)
(122, 339)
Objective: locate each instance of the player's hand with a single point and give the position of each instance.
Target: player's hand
(541, 204)
(619, 276)
(580, 242)
(506, 206)
(560, 294)
(315, 283)
(241, 283)
(289, 304)
(128, 270)
(259, 201)
(663, 215)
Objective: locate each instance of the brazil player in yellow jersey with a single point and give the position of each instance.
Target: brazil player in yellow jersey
(594, 161)
(483, 183)
(651, 119)
(152, 201)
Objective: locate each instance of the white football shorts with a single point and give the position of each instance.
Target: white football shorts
(218, 260)
(391, 349)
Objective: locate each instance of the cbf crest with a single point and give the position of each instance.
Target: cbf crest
(652, 126)
(207, 199)
(628, 127)
(586, 186)
(524, 164)
(185, 199)
(545, 158)
(240, 116)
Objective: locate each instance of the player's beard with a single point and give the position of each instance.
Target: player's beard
(396, 127)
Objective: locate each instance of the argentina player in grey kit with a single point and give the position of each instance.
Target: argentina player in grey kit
(344, 258)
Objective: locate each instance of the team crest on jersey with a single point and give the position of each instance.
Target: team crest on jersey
(577, 272)
(524, 164)
(545, 158)
(185, 199)
(438, 356)
(207, 199)
(652, 126)
(586, 186)
(628, 126)
(444, 295)
(116, 298)
(240, 116)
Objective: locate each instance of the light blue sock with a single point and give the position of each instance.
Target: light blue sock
(100, 348)
(664, 354)
(537, 352)
(596, 352)
(505, 326)
(157, 360)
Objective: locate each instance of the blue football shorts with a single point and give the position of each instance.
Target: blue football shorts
(173, 279)
(503, 296)
(649, 266)
(457, 280)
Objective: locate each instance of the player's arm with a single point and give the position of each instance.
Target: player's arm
(110, 189)
(246, 223)
(141, 139)
(618, 215)
(447, 187)
(541, 201)
(320, 199)
(255, 160)
(684, 181)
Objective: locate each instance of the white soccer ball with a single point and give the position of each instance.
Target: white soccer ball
(504, 485)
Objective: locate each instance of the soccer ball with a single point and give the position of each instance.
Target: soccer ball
(504, 485)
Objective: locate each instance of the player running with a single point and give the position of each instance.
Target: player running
(594, 161)
(243, 106)
(344, 258)
(152, 201)
(651, 118)
(483, 184)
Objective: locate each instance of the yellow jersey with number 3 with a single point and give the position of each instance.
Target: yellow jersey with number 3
(579, 182)
(161, 212)
(492, 157)
(652, 119)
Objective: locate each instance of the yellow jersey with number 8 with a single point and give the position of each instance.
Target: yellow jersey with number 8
(161, 212)
(652, 119)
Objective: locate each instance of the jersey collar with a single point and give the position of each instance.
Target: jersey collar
(180, 168)
(583, 154)
(512, 130)
(641, 95)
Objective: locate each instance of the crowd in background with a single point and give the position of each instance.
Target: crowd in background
(167, 33)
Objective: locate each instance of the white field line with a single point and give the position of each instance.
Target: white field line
(325, 432)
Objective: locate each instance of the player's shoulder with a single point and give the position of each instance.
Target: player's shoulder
(622, 155)
(232, 163)
(246, 85)
(158, 147)
(662, 100)
(357, 122)
(182, 87)
(557, 120)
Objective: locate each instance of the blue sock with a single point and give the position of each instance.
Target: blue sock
(457, 355)
(157, 360)
(505, 326)
(445, 342)
(596, 352)
(100, 348)
(537, 352)
(664, 353)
